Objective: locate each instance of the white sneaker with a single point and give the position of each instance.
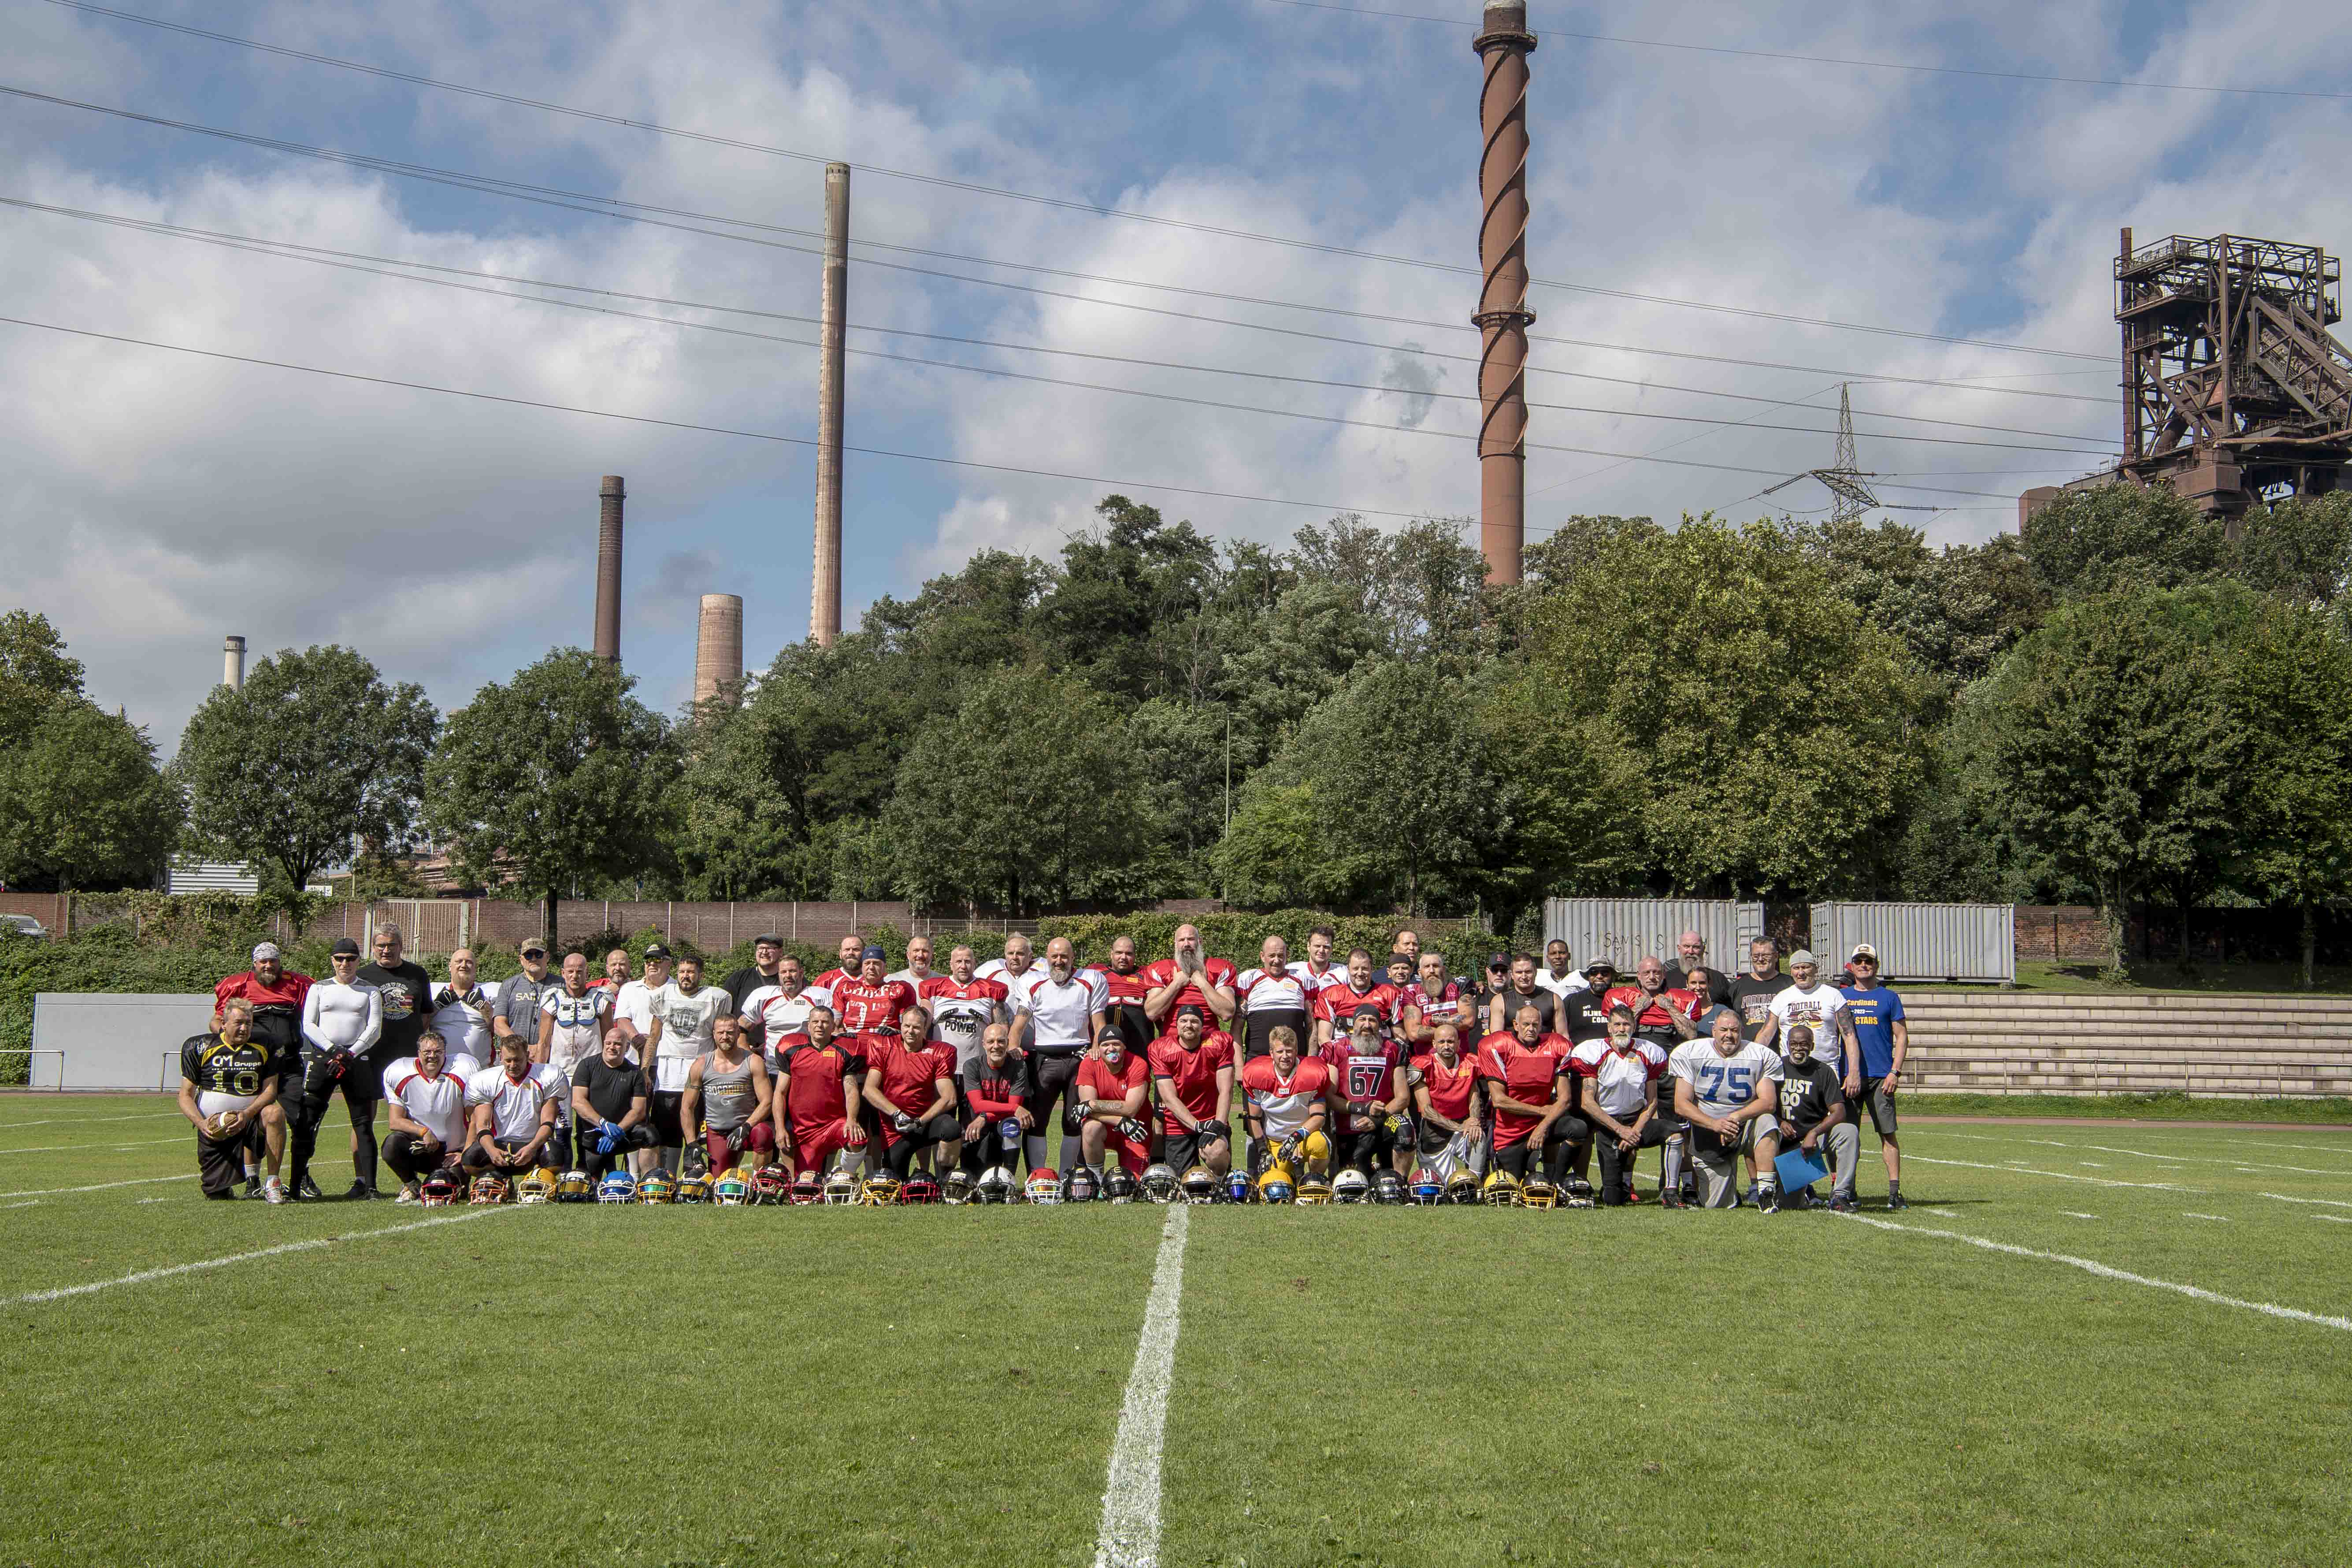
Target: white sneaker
(274, 1190)
(408, 1194)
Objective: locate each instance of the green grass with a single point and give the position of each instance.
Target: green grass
(942, 1386)
(2132, 1108)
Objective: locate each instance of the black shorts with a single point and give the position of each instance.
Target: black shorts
(1185, 1149)
(1258, 1027)
(220, 1164)
(663, 1114)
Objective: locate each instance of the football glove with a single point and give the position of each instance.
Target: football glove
(902, 1121)
(608, 1138)
(1134, 1132)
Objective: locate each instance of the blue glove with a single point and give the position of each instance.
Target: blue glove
(608, 1138)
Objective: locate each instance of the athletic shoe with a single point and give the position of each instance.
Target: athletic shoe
(1768, 1200)
(274, 1190)
(310, 1188)
(1895, 1200)
(1840, 1204)
(360, 1190)
(407, 1194)
(1633, 1195)
(1671, 1198)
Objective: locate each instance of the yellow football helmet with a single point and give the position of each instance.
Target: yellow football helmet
(1538, 1193)
(659, 1187)
(1314, 1189)
(537, 1186)
(1502, 1189)
(1275, 1184)
(693, 1188)
(880, 1191)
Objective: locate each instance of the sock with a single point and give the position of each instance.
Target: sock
(1032, 1146)
(1673, 1180)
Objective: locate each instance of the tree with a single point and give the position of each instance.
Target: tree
(1026, 797)
(82, 804)
(2114, 741)
(313, 757)
(2292, 685)
(554, 781)
(33, 672)
(2299, 548)
(2118, 536)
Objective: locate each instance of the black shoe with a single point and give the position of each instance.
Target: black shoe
(1768, 1200)
(310, 1189)
(253, 1185)
(360, 1190)
(1671, 1198)
(1841, 1204)
(1895, 1200)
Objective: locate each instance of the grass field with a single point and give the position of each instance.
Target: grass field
(2126, 1344)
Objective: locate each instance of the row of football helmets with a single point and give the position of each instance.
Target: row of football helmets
(1158, 1183)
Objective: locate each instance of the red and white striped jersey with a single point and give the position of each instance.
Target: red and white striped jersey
(1614, 1080)
(1273, 991)
(439, 1103)
(1285, 1103)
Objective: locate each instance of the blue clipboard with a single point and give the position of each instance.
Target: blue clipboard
(1799, 1169)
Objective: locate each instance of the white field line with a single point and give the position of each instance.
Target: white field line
(2337, 1218)
(2120, 1276)
(2176, 1158)
(86, 1121)
(2058, 1176)
(2185, 1214)
(2325, 1203)
(145, 1275)
(98, 1186)
(95, 1148)
(2343, 1148)
(2078, 1214)
(29, 1203)
(1129, 1536)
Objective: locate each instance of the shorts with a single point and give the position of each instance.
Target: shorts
(1258, 1027)
(220, 1164)
(1452, 1152)
(478, 1153)
(1186, 1150)
(815, 1146)
(899, 1149)
(662, 1114)
(752, 1137)
(1882, 1107)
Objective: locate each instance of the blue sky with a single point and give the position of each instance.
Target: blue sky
(155, 502)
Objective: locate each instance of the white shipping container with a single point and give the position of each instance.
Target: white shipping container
(1626, 930)
(1923, 942)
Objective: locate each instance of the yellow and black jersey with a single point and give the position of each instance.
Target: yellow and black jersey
(215, 1066)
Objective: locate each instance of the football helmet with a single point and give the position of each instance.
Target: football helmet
(807, 1188)
(920, 1190)
(439, 1190)
(1081, 1185)
(730, 1191)
(1351, 1186)
(880, 1191)
(769, 1184)
(1314, 1189)
(841, 1188)
(617, 1187)
(538, 1186)
(1275, 1186)
(957, 1188)
(1239, 1189)
(995, 1186)
(489, 1188)
(1043, 1186)
(1461, 1187)
(1200, 1185)
(694, 1159)
(1539, 1194)
(1501, 1188)
(1426, 1188)
(1388, 1187)
(696, 1188)
(1120, 1187)
(1159, 1182)
(574, 1187)
(659, 1187)
(1579, 1193)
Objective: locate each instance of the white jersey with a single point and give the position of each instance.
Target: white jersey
(1061, 1014)
(1561, 985)
(339, 1017)
(1316, 984)
(993, 969)
(1273, 991)
(514, 1103)
(464, 1022)
(437, 1103)
(1616, 1082)
(686, 1024)
(782, 1016)
(1724, 1084)
(634, 1002)
(1816, 1009)
(579, 1026)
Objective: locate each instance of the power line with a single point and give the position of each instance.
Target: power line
(1094, 209)
(638, 213)
(288, 250)
(868, 451)
(1823, 59)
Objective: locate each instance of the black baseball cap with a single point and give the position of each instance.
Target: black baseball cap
(656, 949)
(767, 939)
(1190, 1011)
(345, 948)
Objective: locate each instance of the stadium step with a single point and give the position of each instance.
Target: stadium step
(2225, 1047)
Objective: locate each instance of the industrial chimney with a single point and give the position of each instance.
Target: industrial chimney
(718, 646)
(824, 587)
(1504, 44)
(233, 662)
(610, 494)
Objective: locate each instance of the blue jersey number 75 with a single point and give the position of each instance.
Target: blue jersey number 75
(1719, 1084)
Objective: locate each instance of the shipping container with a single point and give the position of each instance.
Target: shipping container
(1626, 930)
(1923, 942)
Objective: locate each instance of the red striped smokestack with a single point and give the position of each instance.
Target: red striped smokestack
(1503, 44)
(610, 494)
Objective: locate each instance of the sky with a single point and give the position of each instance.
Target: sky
(154, 501)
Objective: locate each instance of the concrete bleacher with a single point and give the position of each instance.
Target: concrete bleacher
(2152, 1043)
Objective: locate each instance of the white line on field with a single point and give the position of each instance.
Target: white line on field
(2144, 1154)
(2185, 1214)
(91, 1148)
(98, 1186)
(2325, 1203)
(28, 1203)
(2119, 1275)
(2078, 1214)
(2334, 1218)
(144, 1274)
(86, 1121)
(1130, 1537)
(2060, 1176)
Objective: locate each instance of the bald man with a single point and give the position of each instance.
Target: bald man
(1189, 978)
(1056, 1018)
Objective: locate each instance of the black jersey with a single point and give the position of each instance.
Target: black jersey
(215, 1066)
(1807, 1094)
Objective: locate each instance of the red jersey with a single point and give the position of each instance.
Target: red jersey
(1194, 1074)
(1124, 990)
(1099, 1080)
(1652, 1016)
(864, 1009)
(909, 1078)
(277, 1009)
(1363, 1077)
(1285, 1103)
(1452, 1090)
(1215, 970)
(1336, 1005)
(1527, 1073)
(812, 1074)
(1448, 1006)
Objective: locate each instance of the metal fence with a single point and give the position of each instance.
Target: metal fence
(1923, 942)
(1626, 930)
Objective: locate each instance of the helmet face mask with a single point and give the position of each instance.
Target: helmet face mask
(1201, 1185)
(769, 1184)
(1388, 1187)
(1043, 1186)
(806, 1189)
(995, 1186)
(439, 1191)
(1159, 1183)
(1501, 1188)
(1351, 1186)
(1427, 1190)
(659, 1187)
(730, 1191)
(957, 1189)
(880, 1191)
(1239, 1188)
(841, 1188)
(1538, 1193)
(538, 1186)
(920, 1190)
(694, 1188)
(1120, 1187)
(1461, 1187)
(617, 1187)
(489, 1189)
(574, 1187)
(1081, 1185)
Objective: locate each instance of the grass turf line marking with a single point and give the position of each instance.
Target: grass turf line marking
(2185, 1214)
(91, 1148)
(2060, 1176)
(29, 1203)
(35, 1298)
(2325, 1203)
(99, 1187)
(2336, 1218)
(2078, 1214)
(2144, 1154)
(1129, 1536)
(2120, 1276)
(87, 1120)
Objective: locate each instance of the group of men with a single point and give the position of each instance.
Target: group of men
(1395, 1071)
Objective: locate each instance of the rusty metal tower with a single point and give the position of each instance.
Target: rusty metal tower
(2235, 391)
(1503, 45)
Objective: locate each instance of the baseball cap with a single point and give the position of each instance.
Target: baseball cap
(1599, 966)
(1189, 1011)
(1804, 955)
(531, 945)
(1862, 950)
(262, 950)
(1498, 960)
(345, 947)
(656, 949)
(872, 954)
(1364, 1012)
(767, 939)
